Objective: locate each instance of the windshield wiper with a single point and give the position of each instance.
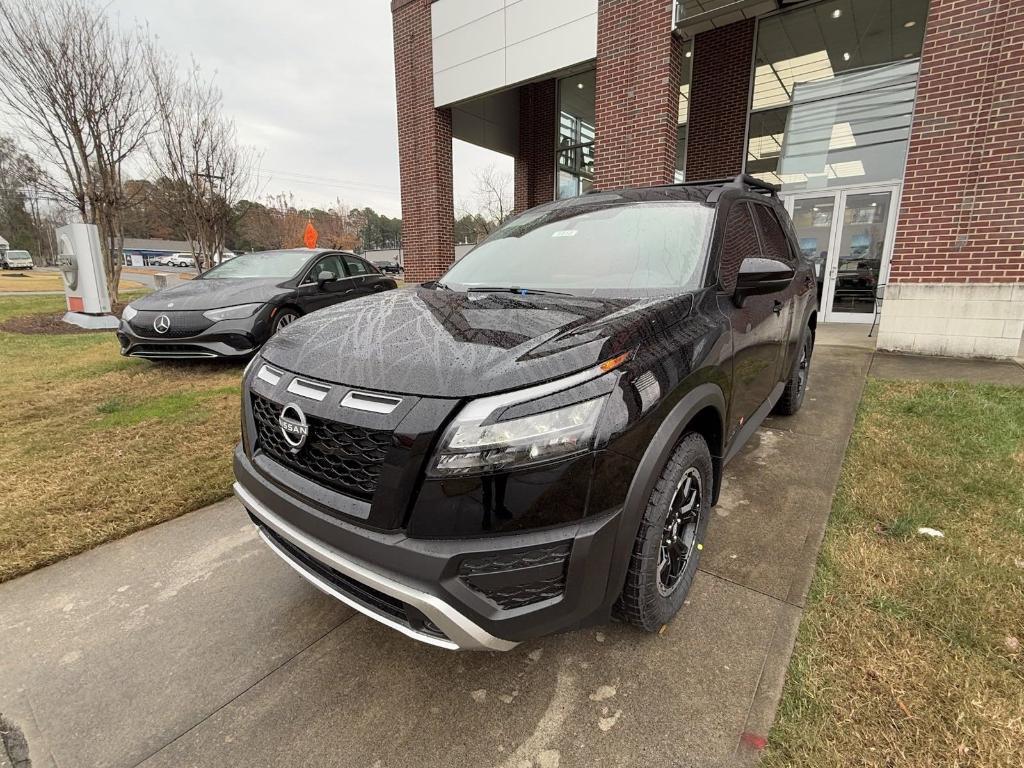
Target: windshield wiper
(514, 289)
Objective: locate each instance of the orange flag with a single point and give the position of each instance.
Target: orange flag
(310, 235)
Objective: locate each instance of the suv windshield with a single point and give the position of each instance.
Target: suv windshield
(276, 264)
(622, 249)
(18, 255)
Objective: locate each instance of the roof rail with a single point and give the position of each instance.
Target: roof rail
(745, 180)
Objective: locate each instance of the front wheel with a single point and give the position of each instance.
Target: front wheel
(283, 318)
(669, 542)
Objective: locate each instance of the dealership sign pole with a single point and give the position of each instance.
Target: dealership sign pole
(80, 261)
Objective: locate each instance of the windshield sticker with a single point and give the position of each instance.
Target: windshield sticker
(564, 233)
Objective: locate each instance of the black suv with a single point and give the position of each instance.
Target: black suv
(535, 441)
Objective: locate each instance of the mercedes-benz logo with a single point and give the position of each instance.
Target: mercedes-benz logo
(162, 324)
(294, 426)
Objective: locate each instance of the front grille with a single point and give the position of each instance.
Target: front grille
(371, 598)
(344, 457)
(183, 324)
(551, 561)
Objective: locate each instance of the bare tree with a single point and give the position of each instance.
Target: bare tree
(71, 82)
(493, 195)
(195, 147)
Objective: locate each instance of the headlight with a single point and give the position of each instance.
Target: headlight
(128, 313)
(232, 313)
(471, 446)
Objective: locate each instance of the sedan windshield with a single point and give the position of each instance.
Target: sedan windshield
(637, 248)
(269, 264)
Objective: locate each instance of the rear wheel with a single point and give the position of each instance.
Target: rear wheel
(796, 387)
(670, 539)
(283, 318)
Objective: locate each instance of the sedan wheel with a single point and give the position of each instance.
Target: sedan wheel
(287, 317)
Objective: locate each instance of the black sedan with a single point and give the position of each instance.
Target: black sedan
(232, 309)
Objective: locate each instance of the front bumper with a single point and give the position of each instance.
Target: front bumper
(231, 339)
(449, 593)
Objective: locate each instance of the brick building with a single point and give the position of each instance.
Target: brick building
(894, 127)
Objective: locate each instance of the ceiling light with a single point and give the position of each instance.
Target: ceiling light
(909, 24)
(580, 86)
(689, 54)
(846, 55)
(837, 13)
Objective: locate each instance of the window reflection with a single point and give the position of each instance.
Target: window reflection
(575, 154)
(684, 112)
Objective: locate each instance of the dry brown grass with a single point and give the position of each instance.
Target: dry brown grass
(908, 653)
(96, 446)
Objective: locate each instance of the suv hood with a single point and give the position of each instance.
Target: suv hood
(211, 294)
(422, 341)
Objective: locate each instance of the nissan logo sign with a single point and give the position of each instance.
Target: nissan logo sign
(162, 324)
(294, 426)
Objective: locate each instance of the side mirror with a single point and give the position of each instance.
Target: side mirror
(759, 275)
(325, 277)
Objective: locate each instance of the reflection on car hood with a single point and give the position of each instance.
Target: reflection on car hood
(423, 341)
(211, 294)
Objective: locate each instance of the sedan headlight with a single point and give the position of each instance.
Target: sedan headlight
(471, 446)
(128, 313)
(237, 312)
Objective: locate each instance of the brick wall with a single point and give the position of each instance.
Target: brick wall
(719, 92)
(962, 215)
(535, 161)
(424, 148)
(639, 63)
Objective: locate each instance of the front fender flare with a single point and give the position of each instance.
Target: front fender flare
(658, 451)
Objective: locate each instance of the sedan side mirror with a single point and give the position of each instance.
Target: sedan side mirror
(325, 277)
(759, 275)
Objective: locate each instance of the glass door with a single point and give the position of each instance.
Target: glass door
(848, 235)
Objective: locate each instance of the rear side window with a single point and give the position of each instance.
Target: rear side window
(774, 243)
(356, 266)
(739, 243)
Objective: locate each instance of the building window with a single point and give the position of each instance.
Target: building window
(684, 112)
(575, 154)
(833, 97)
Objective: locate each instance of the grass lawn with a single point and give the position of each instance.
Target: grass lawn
(909, 653)
(44, 281)
(95, 446)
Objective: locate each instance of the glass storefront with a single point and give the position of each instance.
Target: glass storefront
(833, 96)
(830, 117)
(575, 160)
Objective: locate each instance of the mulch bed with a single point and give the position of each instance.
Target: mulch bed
(50, 324)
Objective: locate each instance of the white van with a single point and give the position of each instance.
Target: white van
(16, 260)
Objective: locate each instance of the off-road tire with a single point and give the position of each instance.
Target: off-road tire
(642, 603)
(796, 386)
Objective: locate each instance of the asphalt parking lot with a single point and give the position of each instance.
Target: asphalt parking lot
(191, 644)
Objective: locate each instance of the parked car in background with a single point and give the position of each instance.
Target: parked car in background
(536, 440)
(391, 267)
(16, 260)
(232, 309)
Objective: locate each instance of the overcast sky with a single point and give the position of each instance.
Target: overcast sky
(311, 84)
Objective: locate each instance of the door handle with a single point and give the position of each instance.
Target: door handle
(777, 307)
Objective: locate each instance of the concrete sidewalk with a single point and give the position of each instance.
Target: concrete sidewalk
(191, 644)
